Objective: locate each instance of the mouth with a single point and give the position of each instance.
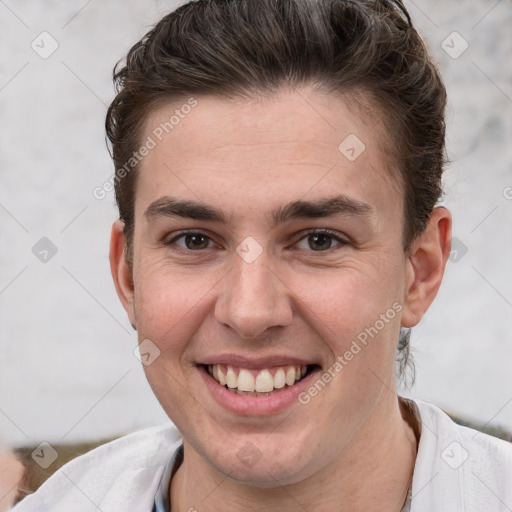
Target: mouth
(262, 382)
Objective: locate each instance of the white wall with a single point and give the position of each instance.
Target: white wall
(67, 371)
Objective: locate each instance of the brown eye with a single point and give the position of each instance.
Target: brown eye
(319, 241)
(196, 241)
(191, 241)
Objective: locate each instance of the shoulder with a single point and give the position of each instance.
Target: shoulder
(459, 468)
(478, 445)
(122, 473)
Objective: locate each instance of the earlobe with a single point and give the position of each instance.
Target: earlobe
(425, 266)
(122, 273)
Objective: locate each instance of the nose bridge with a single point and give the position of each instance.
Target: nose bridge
(253, 298)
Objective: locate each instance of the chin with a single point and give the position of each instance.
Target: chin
(275, 465)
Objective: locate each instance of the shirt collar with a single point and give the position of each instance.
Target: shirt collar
(162, 494)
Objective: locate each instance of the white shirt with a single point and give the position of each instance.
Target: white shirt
(457, 469)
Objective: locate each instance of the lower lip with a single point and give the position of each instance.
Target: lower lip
(252, 405)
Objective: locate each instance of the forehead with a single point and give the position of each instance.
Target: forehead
(248, 153)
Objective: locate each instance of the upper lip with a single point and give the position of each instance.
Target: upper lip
(255, 362)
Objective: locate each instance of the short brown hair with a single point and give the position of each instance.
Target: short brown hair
(240, 48)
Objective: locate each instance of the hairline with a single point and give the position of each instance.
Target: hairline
(359, 99)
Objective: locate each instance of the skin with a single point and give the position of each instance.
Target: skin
(11, 472)
(348, 449)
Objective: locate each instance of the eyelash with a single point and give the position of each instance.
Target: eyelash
(315, 231)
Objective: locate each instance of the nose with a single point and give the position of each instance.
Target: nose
(253, 299)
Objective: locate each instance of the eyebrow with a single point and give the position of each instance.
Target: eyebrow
(328, 207)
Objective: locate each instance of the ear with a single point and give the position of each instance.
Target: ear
(121, 271)
(426, 262)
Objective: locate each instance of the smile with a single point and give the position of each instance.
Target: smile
(258, 382)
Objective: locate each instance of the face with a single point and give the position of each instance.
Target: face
(262, 246)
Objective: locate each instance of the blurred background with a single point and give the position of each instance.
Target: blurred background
(67, 367)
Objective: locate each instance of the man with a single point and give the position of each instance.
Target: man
(278, 166)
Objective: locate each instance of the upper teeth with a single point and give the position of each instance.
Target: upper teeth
(261, 381)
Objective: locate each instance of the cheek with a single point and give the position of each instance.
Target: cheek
(170, 305)
(341, 304)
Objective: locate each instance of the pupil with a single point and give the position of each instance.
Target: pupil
(321, 241)
(195, 241)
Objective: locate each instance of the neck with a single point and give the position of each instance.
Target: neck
(374, 473)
